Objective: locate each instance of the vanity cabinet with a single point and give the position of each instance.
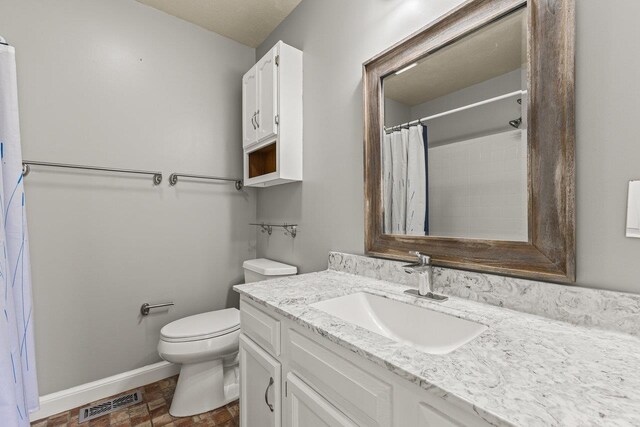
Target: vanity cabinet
(272, 118)
(318, 383)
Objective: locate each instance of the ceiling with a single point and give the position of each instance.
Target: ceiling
(246, 21)
(489, 52)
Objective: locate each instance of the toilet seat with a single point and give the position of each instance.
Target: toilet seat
(202, 326)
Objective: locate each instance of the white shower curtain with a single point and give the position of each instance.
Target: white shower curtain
(387, 180)
(416, 183)
(399, 141)
(404, 181)
(18, 385)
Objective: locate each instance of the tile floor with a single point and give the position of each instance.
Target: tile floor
(152, 412)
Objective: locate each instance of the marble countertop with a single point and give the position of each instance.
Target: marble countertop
(524, 370)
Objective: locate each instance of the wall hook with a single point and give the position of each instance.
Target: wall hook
(289, 229)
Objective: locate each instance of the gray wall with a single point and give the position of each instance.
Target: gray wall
(338, 36)
(118, 83)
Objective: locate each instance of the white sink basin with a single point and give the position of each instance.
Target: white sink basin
(427, 330)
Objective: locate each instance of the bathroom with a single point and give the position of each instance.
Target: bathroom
(159, 86)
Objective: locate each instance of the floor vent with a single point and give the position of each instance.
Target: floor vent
(104, 408)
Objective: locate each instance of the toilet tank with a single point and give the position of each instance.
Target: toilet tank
(259, 269)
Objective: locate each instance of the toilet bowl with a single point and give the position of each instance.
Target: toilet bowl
(207, 345)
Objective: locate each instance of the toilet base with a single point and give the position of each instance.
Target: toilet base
(203, 387)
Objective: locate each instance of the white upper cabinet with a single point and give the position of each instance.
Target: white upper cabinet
(272, 118)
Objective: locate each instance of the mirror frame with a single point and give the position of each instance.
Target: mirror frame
(549, 253)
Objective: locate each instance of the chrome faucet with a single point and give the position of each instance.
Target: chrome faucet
(424, 270)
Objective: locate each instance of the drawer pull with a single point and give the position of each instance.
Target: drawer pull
(266, 394)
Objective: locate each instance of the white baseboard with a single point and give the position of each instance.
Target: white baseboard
(66, 400)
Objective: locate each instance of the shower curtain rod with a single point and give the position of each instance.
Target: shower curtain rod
(455, 110)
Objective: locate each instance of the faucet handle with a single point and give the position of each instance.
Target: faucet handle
(423, 259)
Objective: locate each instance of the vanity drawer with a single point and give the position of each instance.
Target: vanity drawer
(431, 417)
(361, 396)
(262, 328)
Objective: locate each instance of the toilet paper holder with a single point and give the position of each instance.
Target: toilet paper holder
(144, 309)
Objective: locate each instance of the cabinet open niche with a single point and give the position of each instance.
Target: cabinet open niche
(272, 118)
(263, 161)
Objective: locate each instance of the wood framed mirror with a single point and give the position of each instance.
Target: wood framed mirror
(469, 141)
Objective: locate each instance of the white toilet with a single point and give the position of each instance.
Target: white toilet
(206, 345)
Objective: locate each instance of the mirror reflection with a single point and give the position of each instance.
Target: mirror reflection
(633, 210)
(454, 152)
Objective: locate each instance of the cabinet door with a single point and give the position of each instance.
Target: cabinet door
(267, 71)
(249, 107)
(260, 379)
(306, 408)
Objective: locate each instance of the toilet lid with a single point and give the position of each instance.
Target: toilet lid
(202, 326)
(267, 267)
